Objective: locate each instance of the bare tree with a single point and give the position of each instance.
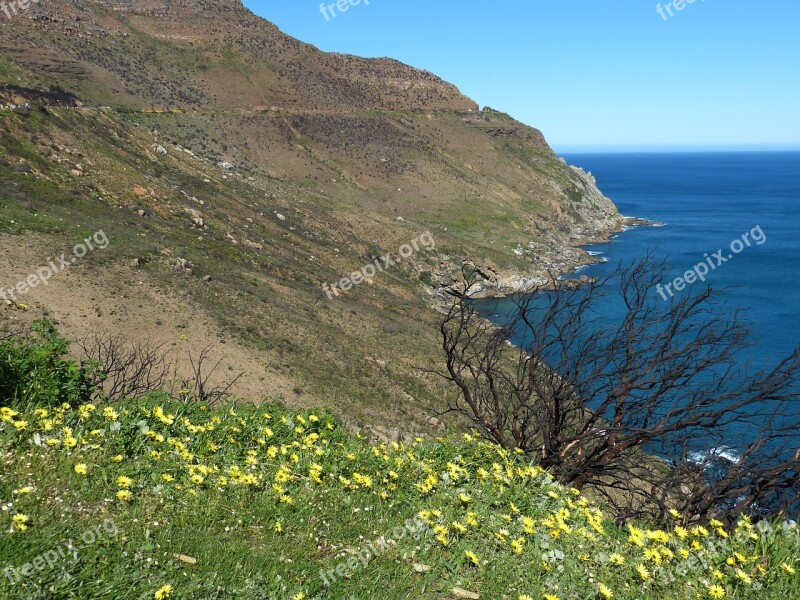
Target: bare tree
(126, 369)
(199, 385)
(639, 406)
(129, 370)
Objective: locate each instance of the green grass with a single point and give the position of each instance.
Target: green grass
(261, 502)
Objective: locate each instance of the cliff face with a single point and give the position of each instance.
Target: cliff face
(594, 217)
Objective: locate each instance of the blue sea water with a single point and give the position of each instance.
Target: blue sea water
(706, 201)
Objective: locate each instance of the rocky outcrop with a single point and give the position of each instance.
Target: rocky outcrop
(593, 219)
(598, 212)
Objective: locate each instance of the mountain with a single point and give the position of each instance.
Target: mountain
(236, 171)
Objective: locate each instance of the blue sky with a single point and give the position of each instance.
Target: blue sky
(592, 75)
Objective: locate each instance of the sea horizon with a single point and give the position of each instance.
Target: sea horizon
(580, 151)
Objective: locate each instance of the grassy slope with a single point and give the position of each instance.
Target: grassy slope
(343, 131)
(272, 298)
(257, 501)
(479, 195)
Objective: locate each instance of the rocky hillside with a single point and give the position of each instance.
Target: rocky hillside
(236, 171)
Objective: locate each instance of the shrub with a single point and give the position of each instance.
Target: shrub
(34, 369)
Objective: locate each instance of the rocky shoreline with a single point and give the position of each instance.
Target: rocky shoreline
(598, 224)
(569, 260)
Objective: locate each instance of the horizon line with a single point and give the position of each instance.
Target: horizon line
(590, 149)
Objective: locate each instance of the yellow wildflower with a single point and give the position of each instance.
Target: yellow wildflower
(743, 577)
(163, 592)
(472, 558)
(716, 591)
(616, 559)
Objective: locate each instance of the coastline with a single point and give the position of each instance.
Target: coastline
(570, 261)
(590, 220)
(586, 217)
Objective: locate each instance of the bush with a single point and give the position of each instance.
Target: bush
(34, 370)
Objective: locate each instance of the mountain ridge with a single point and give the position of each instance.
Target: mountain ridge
(357, 82)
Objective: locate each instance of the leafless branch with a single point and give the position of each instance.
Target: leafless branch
(597, 399)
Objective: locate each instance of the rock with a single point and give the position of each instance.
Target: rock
(207, 278)
(381, 364)
(445, 279)
(183, 266)
(459, 593)
(196, 216)
(189, 560)
(433, 422)
(141, 213)
(225, 165)
(136, 263)
(252, 245)
(160, 149)
(280, 217)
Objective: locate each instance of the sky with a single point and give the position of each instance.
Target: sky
(592, 75)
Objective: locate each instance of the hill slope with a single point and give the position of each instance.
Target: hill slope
(237, 170)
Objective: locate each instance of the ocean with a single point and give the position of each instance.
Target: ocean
(707, 201)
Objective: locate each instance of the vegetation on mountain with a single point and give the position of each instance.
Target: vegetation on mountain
(236, 171)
